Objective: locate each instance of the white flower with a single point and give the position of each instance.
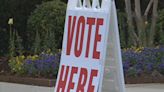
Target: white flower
(10, 22)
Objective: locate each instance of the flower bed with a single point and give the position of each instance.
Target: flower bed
(43, 65)
(40, 70)
(141, 65)
(144, 63)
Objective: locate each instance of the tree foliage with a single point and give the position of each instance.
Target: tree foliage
(48, 19)
(160, 25)
(19, 10)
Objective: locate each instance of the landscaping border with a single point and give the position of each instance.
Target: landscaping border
(28, 81)
(51, 82)
(146, 79)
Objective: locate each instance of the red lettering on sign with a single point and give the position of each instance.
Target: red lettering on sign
(62, 83)
(80, 28)
(68, 80)
(71, 29)
(71, 84)
(96, 54)
(90, 22)
(90, 86)
(80, 25)
(83, 76)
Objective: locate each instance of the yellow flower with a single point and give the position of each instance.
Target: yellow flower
(17, 58)
(22, 57)
(35, 57)
(19, 62)
(48, 51)
(28, 57)
(139, 50)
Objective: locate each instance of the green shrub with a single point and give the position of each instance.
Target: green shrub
(15, 44)
(48, 20)
(16, 65)
(37, 43)
(18, 44)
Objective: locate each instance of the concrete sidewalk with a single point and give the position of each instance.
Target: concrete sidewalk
(145, 88)
(10, 87)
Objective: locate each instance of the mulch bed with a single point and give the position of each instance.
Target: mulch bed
(4, 64)
(141, 80)
(29, 81)
(154, 77)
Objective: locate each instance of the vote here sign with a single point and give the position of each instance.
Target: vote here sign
(83, 51)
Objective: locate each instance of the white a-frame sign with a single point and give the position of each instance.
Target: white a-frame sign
(91, 55)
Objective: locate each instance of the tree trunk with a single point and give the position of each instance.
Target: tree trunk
(153, 25)
(138, 34)
(148, 9)
(132, 35)
(140, 24)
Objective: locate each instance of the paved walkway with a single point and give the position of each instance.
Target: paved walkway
(10, 87)
(145, 88)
